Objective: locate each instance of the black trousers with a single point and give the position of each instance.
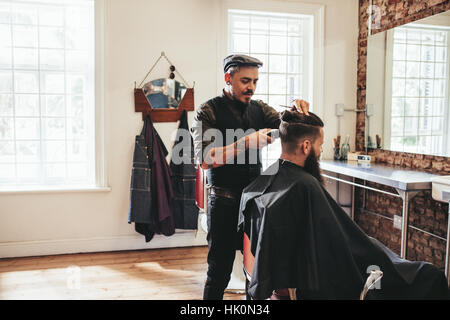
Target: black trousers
(223, 241)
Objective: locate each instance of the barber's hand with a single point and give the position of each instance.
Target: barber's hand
(258, 139)
(302, 106)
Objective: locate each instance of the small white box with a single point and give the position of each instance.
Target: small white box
(438, 185)
(364, 158)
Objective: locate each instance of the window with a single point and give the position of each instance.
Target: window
(47, 99)
(283, 42)
(419, 96)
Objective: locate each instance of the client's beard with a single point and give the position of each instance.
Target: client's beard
(312, 166)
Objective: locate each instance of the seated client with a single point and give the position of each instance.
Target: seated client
(301, 238)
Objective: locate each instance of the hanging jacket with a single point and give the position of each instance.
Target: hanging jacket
(185, 210)
(151, 189)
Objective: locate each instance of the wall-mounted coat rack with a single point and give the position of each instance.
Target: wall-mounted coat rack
(172, 111)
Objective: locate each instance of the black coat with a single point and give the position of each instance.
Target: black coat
(301, 238)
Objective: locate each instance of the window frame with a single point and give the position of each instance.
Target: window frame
(100, 166)
(388, 89)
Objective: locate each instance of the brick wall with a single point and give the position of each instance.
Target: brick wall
(375, 214)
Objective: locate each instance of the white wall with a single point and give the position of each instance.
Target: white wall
(136, 31)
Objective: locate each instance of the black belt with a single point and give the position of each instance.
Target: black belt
(225, 193)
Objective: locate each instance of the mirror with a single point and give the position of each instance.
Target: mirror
(408, 87)
(164, 93)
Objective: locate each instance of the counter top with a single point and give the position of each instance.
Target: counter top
(393, 176)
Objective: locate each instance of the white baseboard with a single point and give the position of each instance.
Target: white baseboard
(181, 238)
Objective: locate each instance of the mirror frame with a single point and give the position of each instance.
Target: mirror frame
(383, 24)
(141, 104)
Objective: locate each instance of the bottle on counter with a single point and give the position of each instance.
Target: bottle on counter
(345, 149)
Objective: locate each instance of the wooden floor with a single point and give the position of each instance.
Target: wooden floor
(160, 274)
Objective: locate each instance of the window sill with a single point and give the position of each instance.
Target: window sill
(54, 190)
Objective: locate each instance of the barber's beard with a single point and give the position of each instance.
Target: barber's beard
(239, 103)
(312, 166)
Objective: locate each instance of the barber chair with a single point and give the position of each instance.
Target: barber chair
(290, 293)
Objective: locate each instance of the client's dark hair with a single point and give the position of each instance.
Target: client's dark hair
(296, 126)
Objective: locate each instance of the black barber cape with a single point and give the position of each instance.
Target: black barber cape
(301, 238)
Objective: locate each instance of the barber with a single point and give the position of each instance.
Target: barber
(226, 175)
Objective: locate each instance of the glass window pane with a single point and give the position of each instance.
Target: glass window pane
(413, 36)
(259, 44)
(24, 14)
(277, 84)
(5, 81)
(53, 105)
(440, 70)
(77, 151)
(5, 35)
(436, 142)
(25, 36)
(55, 171)
(278, 44)
(76, 106)
(50, 37)
(426, 88)
(411, 125)
(424, 145)
(76, 84)
(240, 24)
(413, 52)
(7, 153)
(7, 172)
(427, 53)
(294, 85)
(78, 38)
(27, 128)
(441, 54)
(412, 69)
(261, 87)
(412, 88)
(6, 105)
(398, 87)
(77, 170)
(295, 27)
(240, 43)
(51, 16)
(400, 34)
(425, 126)
(399, 68)
(397, 107)
(28, 172)
(25, 58)
(396, 126)
(28, 151)
(427, 70)
(26, 82)
(439, 88)
(52, 82)
(426, 107)
(437, 125)
(76, 128)
(5, 13)
(6, 128)
(397, 143)
(278, 26)
(277, 64)
(5, 57)
(54, 128)
(427, 37)
(55, 151)
(264, 59)
(399, 51)
(260, 25)
(411, 107)
(52, 59)
(410, 143)
(294, 45)
(26, 105)
(438, 106)
(294, 64)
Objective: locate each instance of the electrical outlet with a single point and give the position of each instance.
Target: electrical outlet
(397, 222)
(339, 109)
